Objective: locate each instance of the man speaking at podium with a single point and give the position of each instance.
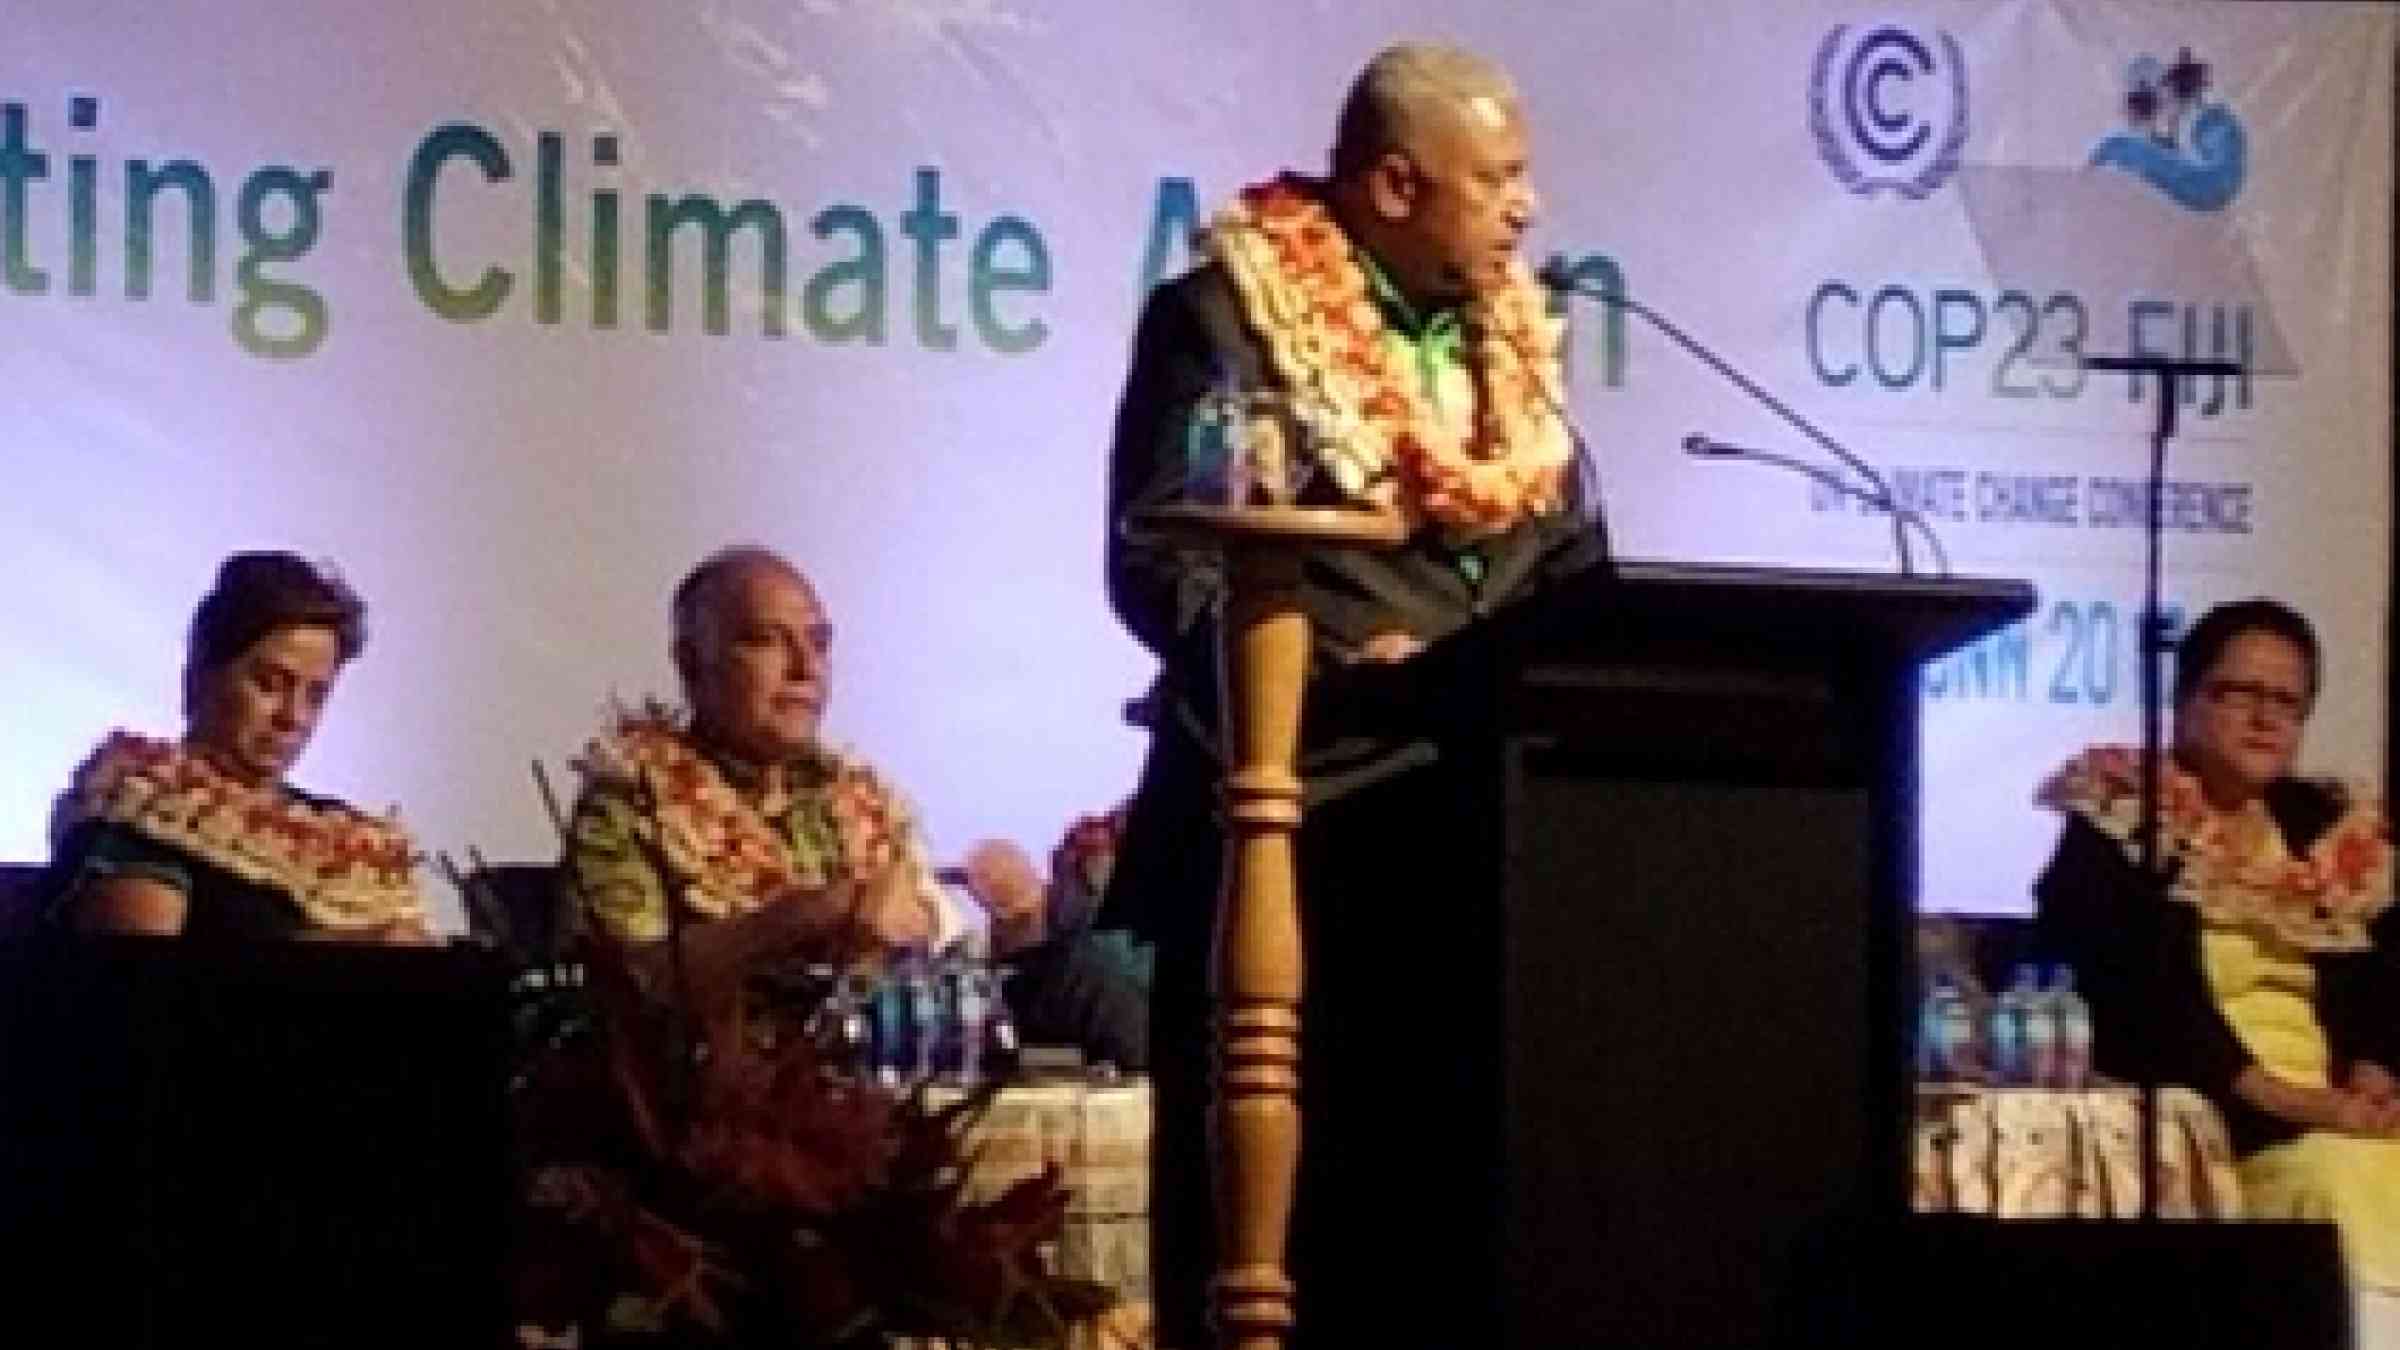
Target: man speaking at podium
(1390, 295)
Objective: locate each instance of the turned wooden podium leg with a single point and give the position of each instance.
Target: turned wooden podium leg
(1256, 975)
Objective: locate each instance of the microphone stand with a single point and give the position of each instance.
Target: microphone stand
(1564, 281)
(2171, 373)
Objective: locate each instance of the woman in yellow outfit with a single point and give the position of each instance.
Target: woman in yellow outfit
(2266, 970)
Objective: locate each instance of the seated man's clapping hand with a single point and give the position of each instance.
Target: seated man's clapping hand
(852, 918)
(893, 911)
(885, 913)
(799, 920)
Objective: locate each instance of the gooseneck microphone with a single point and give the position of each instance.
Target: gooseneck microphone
(1903, 518)
(1876, 492)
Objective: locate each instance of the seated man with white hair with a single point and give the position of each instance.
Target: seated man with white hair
(769, 838)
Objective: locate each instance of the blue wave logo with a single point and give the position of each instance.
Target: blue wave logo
(2177, 139)
(1888, 109)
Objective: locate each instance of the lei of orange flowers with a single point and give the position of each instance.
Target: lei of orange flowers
(728, 848)
(1305, 295)
(2321, 901)
(342, 868)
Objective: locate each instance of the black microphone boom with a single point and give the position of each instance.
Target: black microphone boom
(2183, 366)
(1557, 276)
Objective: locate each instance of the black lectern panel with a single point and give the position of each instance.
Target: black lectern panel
(278, 1146)
(1696, 796)
(1688, 1083)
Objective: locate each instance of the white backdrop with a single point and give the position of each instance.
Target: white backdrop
(970, 196)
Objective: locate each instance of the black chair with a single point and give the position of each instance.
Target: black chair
(520, 909)
(20, 907)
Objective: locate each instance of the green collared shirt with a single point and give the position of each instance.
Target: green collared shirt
(1436, 343)
(1437, 339)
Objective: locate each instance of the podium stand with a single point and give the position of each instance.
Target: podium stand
(1693, 803)
(1256, 974)
(1637, 932)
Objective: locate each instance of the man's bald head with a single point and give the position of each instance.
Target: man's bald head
(701, 596)
(1413, 93)
(754, 650)
(1432, 171)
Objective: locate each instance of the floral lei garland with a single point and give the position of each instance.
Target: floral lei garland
(2321, 902)
(1304, 293)
(731, 856)
(342, 868)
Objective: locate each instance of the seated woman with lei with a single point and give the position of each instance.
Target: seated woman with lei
(202, 836)
(2261, 972)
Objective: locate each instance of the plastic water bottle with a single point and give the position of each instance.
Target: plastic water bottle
(2041, 1028)
(1000, 1045)
(1212, 445)
(2074, 1028)
(851, 1007)
(889, 1008)
(2007, 1029)
(1929, 1034)
(924, 993)
(1941, 1025)
(969, 1011)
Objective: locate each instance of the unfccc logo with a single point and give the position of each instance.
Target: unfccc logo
(1889, 109)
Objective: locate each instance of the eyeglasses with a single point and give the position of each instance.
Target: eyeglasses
(2249, 698)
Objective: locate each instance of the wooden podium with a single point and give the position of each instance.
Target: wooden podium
(1685, 870)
